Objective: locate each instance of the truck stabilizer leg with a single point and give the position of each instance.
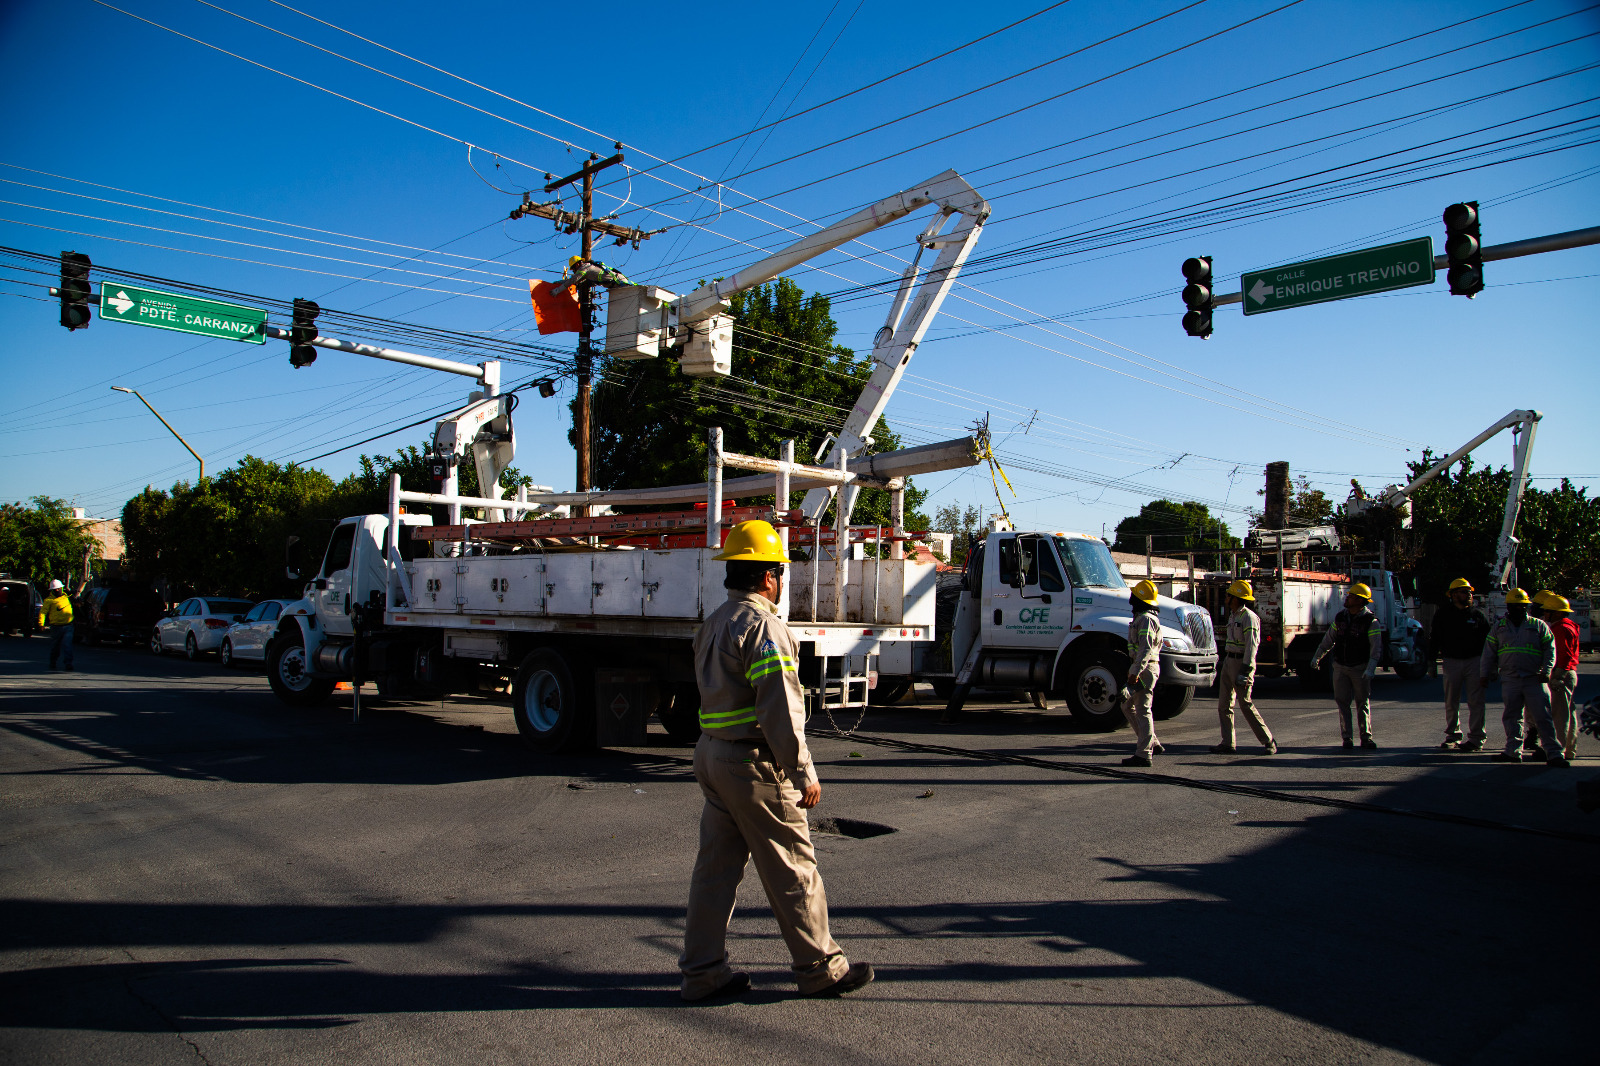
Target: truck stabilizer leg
(958, 697)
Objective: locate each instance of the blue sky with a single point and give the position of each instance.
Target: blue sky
(367, 201)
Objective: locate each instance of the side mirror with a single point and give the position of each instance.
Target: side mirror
(320, 584)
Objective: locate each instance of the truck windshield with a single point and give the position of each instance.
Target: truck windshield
(1089, 564)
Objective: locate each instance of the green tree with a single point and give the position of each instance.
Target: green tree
(1307, 506)
(1175, 528)
(963, 521)
(790, 381)
(43, 541)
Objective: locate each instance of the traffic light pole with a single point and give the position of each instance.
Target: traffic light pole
(488, 373)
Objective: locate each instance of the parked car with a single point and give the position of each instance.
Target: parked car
(20, 606)
(125, 610)
(247, 640)
(197, 625)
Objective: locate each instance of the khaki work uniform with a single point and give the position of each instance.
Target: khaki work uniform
(1237, 676)
(1356, 642)
(1458, 635)
(1144, 644)
(1523, 655)
(752, 763)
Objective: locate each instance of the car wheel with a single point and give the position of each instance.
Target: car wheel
(1093, 680)
(226, 653)
(554, 711)
(155, 642)
(679, 711)
(191, 648)
(289, 673)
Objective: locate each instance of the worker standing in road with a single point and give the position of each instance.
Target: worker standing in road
(1238, 670)
(1522, 650)
(58, 617)
(758, 780)
(1459, 630)
(1144, 645)
(1356, 642)
(1564, 678)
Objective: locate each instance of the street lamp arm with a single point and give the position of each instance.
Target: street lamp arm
(164, 422)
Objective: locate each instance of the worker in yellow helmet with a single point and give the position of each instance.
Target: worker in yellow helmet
(1456, 637)
(1144, 651)
(758, 781)
(1356, 642)
(1237, 671)
(58, 617)
(1521, 650)
(1564, 678)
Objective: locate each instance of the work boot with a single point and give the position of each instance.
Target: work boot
(1136, 760)
(1369, 744)
(858, 976)
(1450, 744)
(1557, 762)
(1508, 756)
(1472, 745)
(1533, 754)
(1348, 744)
(1159, 749)
(1272, 747)
(1223, 749)
(736, 985)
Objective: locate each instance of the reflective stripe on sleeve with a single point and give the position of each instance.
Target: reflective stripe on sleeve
(772, 664)
(741, 716)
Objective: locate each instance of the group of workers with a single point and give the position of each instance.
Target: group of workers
(1533, 651)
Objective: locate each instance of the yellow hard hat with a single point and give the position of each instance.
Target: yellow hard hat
(1551, 602)
(1358, 589)
(1461, 583)
(1145, 592)
(1542, 598)
(1241, 588)
(753, 542)
(1517, 596)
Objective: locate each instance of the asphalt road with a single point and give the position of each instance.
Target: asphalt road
(192, 872)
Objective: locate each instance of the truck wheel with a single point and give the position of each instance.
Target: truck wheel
(1171, 701)
(289, 673)
(679, 711)
(890, 690)
(554, 713)
(1415, 670)
(1091, 682)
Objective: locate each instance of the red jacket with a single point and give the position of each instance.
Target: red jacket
(1565, 630)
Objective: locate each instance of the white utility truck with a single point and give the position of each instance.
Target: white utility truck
(1048, 611)
(590, 614)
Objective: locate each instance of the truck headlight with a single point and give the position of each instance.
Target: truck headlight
(1176, 644)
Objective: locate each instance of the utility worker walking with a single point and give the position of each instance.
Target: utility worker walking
(58, 617)
(1356, 641)
(1144, 647)
(1564, 678)
(1522, 650)
(758, 780)
(1238, 672)
(1459, 630)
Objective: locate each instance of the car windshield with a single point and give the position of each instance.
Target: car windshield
(1089, 564)
(228, 606)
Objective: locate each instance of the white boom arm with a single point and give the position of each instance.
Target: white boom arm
(483, 430)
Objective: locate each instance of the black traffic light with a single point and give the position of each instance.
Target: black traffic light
(1463, 247)
(1198, 296)
(74, 290)
(302, 333)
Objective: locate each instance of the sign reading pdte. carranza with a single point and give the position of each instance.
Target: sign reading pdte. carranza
(184, 314)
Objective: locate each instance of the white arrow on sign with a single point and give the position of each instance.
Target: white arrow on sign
(121, 302)
(1260, 291)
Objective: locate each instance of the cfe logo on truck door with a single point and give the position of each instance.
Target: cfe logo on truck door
(1033, 620)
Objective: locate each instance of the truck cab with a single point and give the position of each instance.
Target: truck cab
(1050, 612)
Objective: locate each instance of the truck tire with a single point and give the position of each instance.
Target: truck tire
(1091, 680)
(289, 673)
(679, 711)
(1171, 701)
(554, 710)
(1417, 669)
(889, 690)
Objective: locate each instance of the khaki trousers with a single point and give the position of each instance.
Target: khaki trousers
(1462, 677)
(1351, 685)
(1136, 709)
(751, 811)
(1563, 714)
(1233, 681)
(1526, 697)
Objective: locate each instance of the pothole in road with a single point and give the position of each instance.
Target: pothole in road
(851, 827)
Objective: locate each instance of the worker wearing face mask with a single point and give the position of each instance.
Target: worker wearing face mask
(1356, 642)
(1522, 651)
(1459, 630)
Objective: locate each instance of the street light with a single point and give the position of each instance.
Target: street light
(164, 422)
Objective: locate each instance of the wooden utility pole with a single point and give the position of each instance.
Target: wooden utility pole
(585, 279)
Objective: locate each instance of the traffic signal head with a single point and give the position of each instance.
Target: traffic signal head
(303, 331)
(1463, 247)
(74, 290)
(1198, 296)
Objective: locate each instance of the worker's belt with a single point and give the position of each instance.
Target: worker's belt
(1236, 655)
(758, 748)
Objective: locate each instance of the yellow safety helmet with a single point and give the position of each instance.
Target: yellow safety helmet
(1515, 597)
(1461, 583)
(1552, 602)
(1145, 592)
(1241, 589)
(753, 542)
(1358, 589)
(1542, 598)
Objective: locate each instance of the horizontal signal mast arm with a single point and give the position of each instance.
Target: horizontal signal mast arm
(479, 372)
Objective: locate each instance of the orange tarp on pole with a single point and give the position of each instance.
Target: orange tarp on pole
(555, 309)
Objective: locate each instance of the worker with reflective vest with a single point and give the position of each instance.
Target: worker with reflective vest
(1356, 641)
(758, 780)
(1522, 651)
(58, 617)
(1456, 636)
(1238, 670)
(1144, 649)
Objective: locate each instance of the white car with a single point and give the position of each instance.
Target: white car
(247, 640)
(197, 626)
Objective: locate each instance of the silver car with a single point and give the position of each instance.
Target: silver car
(247, 640)
(197, 626)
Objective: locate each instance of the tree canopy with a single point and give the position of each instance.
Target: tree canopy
(1307, 506)
(1174, 528)
(42, 541)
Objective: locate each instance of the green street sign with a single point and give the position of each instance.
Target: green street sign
(1339, 277)
(184, 314)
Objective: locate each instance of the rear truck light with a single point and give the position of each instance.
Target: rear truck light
(217, 623)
